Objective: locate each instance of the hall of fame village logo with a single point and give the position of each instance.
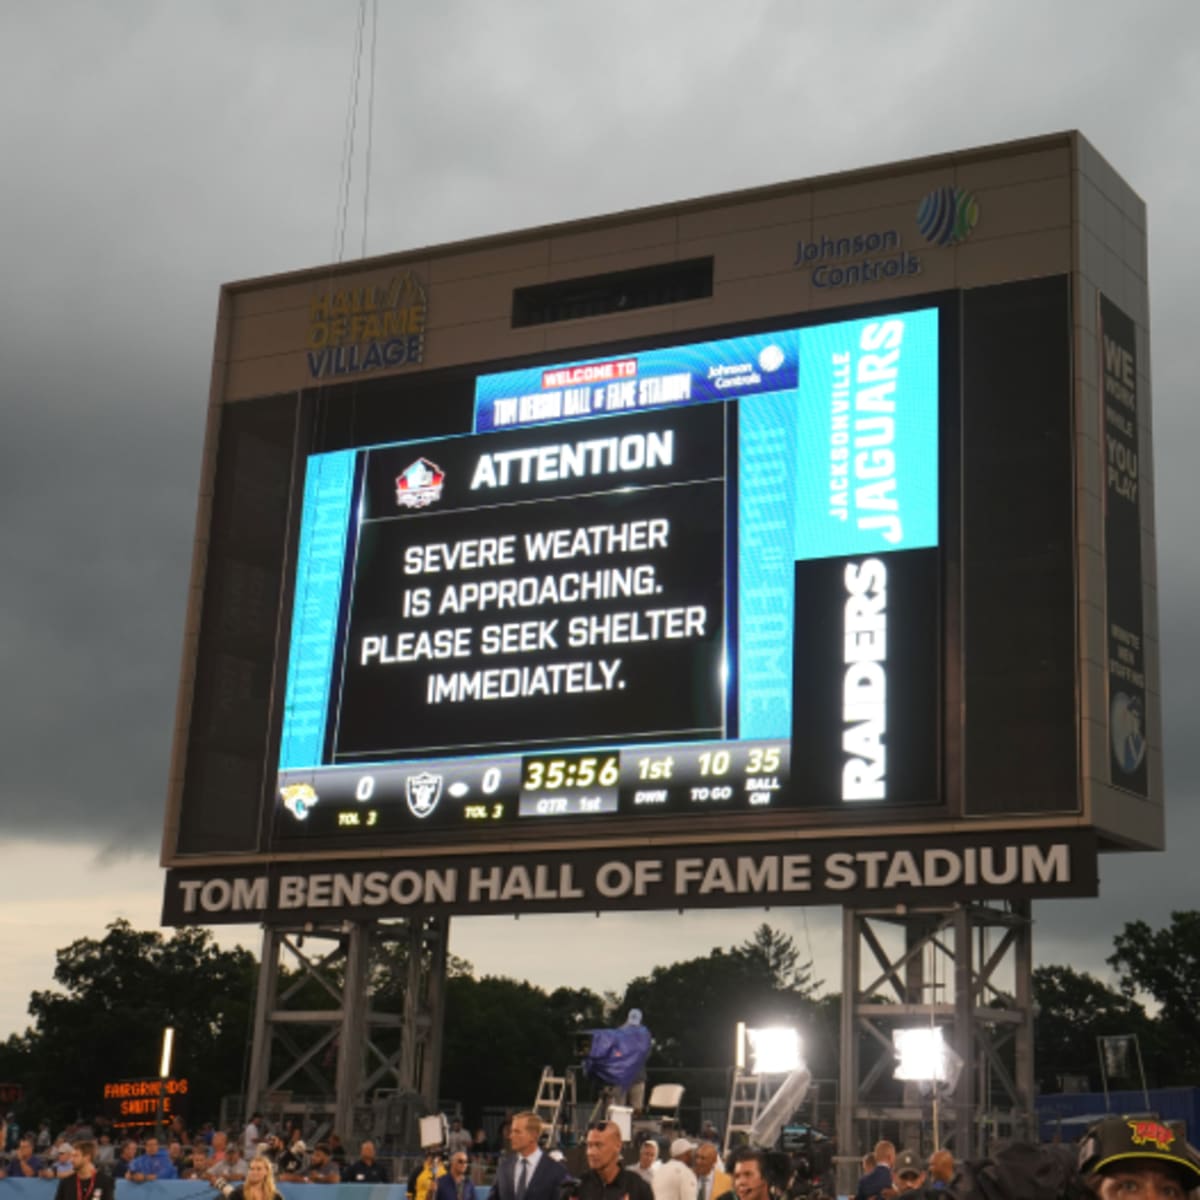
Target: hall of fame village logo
(358, 329)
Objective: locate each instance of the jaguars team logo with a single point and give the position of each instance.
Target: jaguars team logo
(298, 799)
(423, 793)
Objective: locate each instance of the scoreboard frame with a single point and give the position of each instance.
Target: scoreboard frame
(1019, 744)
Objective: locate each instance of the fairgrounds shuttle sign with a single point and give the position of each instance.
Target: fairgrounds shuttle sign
(865, 871)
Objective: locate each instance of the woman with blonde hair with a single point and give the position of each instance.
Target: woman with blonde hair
(259, 1183)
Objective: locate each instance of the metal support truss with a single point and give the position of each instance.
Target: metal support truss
(322, 1049)
(967, 969)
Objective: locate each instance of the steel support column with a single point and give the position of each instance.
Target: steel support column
(349, 1081)
(966, 969)
(320, 1047)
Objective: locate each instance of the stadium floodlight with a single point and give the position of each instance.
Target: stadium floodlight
(168, 1045)
(774, 1050)
(921, 1055)
(164, 1073)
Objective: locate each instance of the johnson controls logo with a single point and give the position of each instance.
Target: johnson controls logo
(947, 215)
(945, 218)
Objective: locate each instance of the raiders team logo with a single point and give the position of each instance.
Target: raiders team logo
(423, 793)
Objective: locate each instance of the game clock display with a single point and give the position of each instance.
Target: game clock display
(698, 579)
(569, 783)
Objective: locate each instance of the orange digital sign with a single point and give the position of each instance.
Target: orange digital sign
(132, 1102)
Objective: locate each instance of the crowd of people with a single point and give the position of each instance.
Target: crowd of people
(249, 1162)
(1119, 1159)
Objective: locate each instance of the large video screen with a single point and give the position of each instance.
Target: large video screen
(698, 580)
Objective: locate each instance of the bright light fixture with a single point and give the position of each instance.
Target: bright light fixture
(922, 1055)
(164, 1066)
(775, 1050)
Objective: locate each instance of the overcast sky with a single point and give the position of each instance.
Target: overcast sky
(150, 151)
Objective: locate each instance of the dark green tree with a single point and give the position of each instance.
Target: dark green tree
(1165, 965)
(116, 994)
(781, 956)
(1073, 1010)
(500, 1033)
(692, 1008)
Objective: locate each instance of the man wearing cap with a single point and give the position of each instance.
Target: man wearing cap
(62, 1165)
(675, 1180)
(230, 1168)
(606, 1178)
(1138, 1160)
(909, 1173)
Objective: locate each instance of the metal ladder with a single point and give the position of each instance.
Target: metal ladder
(555, 1092)
(747, 1098)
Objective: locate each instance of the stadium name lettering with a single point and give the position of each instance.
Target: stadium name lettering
(592, 880)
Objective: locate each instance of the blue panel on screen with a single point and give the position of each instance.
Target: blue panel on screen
(705, 371)
(324, 527)
(768, 452)
(868, 436)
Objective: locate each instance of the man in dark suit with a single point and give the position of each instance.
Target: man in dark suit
(454, 1185)
(528, 1173)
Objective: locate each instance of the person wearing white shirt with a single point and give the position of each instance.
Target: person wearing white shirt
(251, 1136)
(647, 1163)
(675, 1180)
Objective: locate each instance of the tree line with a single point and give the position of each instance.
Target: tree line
(113, 994)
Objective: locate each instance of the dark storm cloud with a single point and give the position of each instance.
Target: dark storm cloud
(161, 149)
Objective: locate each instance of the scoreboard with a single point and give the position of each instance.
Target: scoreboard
(765, 548)
(697, 582)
